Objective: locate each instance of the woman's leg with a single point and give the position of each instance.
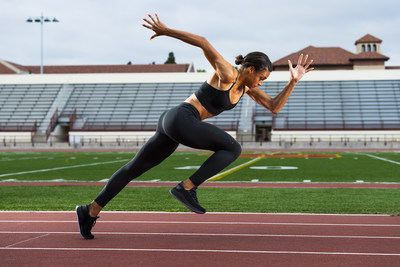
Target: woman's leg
(226, 150)
(185, 127)
(183, 124)
(158, 148)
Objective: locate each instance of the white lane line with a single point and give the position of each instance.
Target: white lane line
(62, 168)
(217, 213)
(206, 234)
(211, 251)
(222, 223)
(387, 160)
(27, 240)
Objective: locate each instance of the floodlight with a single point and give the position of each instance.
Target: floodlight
(42, 20)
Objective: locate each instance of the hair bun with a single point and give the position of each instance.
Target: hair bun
(239, 60)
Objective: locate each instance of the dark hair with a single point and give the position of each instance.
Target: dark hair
(258, 60)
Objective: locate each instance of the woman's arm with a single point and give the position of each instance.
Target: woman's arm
(276, 104)
(223, 69)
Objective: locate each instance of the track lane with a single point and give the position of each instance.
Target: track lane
(229, 239)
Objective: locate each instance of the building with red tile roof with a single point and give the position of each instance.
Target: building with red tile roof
(368, 38)
(7, 67)
(368, 56)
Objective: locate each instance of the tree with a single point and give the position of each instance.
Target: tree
(171, 58)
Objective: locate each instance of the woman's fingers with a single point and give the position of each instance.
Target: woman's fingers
(310, 69)
(300, 59)
(148, 23)
(151, 18)
(290, 64)
(153, 24)
(158, 20)
(309, 63)
(305, 60)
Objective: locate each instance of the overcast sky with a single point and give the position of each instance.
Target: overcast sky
(110, 32)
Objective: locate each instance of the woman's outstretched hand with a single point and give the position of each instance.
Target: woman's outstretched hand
(155, 25)
(302, 68)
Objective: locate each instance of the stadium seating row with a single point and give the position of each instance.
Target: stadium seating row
(326, 105)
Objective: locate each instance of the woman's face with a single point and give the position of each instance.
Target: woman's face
(256, 78)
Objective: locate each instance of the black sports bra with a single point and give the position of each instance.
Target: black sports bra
(215, 101)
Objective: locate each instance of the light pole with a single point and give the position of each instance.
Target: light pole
(41, 20)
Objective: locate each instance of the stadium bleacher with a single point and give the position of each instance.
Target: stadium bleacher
(23, 105)
(326, 100)
(337, 105)
(133, 107)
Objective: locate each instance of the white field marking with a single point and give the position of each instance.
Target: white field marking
(203, 234)
(217, 212)
(45, 181)
(232, 170)
(187, 168)
(387, 160)
(222, 223)
(62, 168)
(11, 159)
(218, 182)
(27, 240)
(273, 168)
(210, 251)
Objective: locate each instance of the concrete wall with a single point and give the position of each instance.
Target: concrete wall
(79, 137)
(336, 136)
(20, 137)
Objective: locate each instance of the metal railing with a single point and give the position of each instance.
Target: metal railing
(285, 123)
(139, 126)
(53, 123)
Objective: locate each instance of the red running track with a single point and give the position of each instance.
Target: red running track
(213, 239)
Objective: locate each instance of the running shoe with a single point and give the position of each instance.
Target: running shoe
(85, 221)
(187, 198)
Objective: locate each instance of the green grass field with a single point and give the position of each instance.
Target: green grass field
(285, 167)
(97, 166)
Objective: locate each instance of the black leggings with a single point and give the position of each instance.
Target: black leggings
(179, 125)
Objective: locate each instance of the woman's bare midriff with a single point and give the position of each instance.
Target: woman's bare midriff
(204, 114)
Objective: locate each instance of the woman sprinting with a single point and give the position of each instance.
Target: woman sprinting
(184, 124)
